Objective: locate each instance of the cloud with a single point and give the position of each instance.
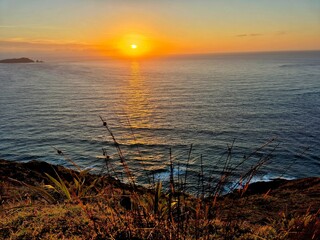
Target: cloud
(249, 35)
(45, 44)
(255, 34)
(45, 48)
(28, 27)
(278, 33)
(281, 33)
(242, 35)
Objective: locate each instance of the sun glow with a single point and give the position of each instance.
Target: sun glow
(133, 46)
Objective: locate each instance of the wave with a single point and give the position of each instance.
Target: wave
(294, 65)
(258, 178)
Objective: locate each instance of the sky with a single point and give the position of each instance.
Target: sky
(102, 28)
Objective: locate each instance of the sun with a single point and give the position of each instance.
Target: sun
(133, 46)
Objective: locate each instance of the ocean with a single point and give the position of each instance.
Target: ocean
(228, 107)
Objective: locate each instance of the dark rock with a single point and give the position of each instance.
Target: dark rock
(33, 173)
(17, 60)
(126, 202)
(263, 187)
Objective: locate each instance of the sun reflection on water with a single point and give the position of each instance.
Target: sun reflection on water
(137, 108)
(138, 118)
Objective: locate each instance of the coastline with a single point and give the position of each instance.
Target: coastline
(262, 203)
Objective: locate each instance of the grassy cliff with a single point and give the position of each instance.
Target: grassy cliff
(42, 201)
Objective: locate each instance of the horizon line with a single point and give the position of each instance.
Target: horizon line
(173, 55)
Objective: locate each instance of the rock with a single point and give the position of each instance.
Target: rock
(17, 60)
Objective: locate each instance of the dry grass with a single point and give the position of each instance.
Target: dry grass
(111, 212)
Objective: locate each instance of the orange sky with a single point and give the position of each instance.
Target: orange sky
(98, 28)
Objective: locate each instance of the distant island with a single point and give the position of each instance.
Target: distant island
(18, 60)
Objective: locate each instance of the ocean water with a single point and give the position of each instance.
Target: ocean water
(214, 102)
